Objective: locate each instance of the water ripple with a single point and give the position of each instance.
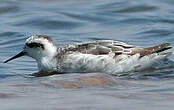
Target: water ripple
(157, 32)
(50, 24)
(136, 9)
(9, 9)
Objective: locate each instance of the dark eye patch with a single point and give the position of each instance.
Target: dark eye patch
(35, 45)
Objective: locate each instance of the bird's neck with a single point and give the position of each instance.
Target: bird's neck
(48, 62)
(52, 61)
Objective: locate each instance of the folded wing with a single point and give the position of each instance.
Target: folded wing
(102, 47)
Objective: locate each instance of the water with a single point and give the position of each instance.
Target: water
(138, 22)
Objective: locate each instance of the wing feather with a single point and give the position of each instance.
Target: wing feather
(110, 46)
(101, 47)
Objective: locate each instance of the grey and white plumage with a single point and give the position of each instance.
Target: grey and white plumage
(106, 56)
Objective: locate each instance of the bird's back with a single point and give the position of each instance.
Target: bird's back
(111, 56)
(104, 47)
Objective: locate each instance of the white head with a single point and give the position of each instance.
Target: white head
(38, 47)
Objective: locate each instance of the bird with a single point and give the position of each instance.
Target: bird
(105, 56)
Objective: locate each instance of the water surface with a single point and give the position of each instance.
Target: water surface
(138, 22)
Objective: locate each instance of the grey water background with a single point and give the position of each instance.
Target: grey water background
(137, 22)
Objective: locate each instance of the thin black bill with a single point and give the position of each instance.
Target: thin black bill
(16, 56)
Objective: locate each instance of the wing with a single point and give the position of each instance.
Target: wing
(101, 47)
(110, 46)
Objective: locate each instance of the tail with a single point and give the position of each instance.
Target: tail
(159, 48)
(156, 49)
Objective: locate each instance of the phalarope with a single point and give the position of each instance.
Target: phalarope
(106, 56)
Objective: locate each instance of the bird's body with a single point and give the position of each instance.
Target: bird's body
(105, 56)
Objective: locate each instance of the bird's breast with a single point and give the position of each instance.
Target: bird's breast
(87, 62)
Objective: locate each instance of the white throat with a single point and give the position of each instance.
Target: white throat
(47, 61)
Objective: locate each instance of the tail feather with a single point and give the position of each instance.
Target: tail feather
(159, 48)
(155, 49)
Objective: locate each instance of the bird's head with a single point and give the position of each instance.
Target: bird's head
(37, 47)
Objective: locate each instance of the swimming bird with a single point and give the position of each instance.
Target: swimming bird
(107, 56)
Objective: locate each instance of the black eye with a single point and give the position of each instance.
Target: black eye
(35, 45)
